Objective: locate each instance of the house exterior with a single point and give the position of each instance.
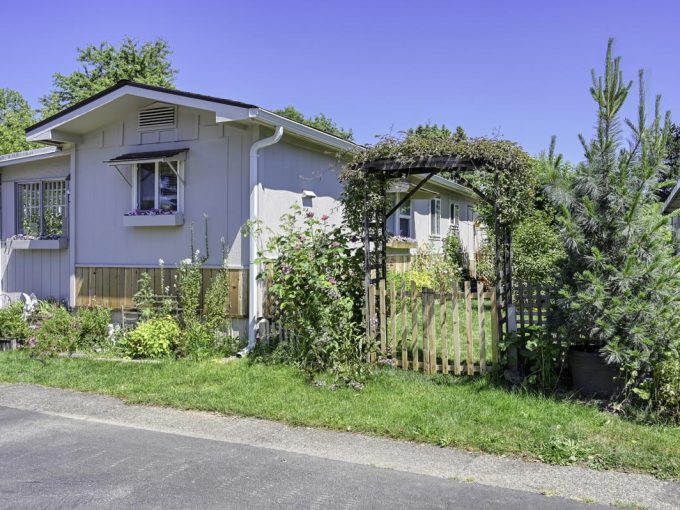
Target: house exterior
(129, 173)
(671, 205)
(439, 208)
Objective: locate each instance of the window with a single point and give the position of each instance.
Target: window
(435, 216)
(455, 215)
(42, 208)
(403, 218)
(157, 187)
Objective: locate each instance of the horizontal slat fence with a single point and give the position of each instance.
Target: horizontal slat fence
(448, 331)
(114, 287)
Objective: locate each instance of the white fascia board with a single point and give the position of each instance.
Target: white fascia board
(18, 158)
(272, 119)
(223, 112)
(672, 202)
(446, 184)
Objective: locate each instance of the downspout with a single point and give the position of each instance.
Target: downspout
(253, 295)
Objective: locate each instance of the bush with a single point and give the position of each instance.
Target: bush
(58, 331)
(667, 384)
(12, 322)
(94, 326)
(155, 338)
(454, 253)
(316, 293)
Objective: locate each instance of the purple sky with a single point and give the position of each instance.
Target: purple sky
(520, 68)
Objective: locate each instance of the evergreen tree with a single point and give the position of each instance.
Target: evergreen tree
(621, 283)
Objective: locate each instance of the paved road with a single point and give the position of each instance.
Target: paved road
(49, 461)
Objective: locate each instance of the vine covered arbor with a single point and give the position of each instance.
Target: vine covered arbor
(499, 172)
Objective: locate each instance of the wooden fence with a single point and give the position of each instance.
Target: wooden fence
(114, 287)
(451, 331)
(533, 303)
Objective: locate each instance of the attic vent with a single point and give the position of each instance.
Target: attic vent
(157, 116)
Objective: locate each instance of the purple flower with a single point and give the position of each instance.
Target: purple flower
(332, 280)
(286, 269)
(324, 217)
(310, 214)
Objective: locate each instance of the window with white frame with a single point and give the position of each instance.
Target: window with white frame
(455, 215)
(435, 217)
(42, 208)
(157, 186)
(403, 218)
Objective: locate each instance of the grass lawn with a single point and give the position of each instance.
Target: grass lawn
(460, 412)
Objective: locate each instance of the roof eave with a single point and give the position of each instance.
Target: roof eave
(673, 201)
(17, 158)
(325, 139)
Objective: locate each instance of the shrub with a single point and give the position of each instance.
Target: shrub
(155, 338)
(12, 322)
(621, 288)
(316, 293)
(667, 385)
(543, 356)
(454, 253)
(94, 326)
(216, 300)
(58, 331)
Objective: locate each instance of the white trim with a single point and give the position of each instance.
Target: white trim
(16, 158)
(223, 112)
(436, 200)
(179, 172)
(72, 231)
(272, 119)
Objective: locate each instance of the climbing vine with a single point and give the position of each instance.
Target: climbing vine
(499, 171)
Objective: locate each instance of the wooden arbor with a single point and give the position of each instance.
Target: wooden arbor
(375, 228)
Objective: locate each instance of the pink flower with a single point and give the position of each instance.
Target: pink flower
(324, 217)
(310, 214)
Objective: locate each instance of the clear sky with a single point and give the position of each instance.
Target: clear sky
(521, 69)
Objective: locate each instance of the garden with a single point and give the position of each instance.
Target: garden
(592, 234)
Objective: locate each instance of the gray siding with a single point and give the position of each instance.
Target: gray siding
(44, 273)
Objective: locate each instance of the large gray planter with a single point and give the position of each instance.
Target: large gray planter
(591, 376)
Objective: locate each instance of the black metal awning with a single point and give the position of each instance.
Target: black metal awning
(146, 157)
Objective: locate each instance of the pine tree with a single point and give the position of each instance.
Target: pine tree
(621, 283)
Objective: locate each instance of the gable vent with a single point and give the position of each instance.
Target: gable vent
(157, 116)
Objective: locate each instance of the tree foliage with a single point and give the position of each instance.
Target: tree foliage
(621, 283)
(104, 64)
(320, 122)
(435, 131)
(15, 116)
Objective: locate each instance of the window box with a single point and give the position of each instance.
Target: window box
(402, 244)
(154, 220)
(39, 244)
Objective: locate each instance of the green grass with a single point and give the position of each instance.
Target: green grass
(460, 412)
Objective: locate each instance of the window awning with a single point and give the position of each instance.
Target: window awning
(167, 156)
(148, 157)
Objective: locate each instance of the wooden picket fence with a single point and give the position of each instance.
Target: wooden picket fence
(450, 331)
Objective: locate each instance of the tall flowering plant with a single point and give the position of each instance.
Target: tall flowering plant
(314, 276)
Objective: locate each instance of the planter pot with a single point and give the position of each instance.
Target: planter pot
(401, 245)
(591, 376)
(8, 344)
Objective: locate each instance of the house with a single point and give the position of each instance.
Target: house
(129, 173)
(439, 208)
(671, 205)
